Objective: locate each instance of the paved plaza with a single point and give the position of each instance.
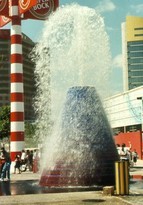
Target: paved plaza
(23, 189)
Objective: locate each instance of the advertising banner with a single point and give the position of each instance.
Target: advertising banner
(31, 9)
(42, 9)
(4, 7)
(25, 5)
(4, 20)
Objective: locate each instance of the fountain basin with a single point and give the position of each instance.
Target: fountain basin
(87, 152)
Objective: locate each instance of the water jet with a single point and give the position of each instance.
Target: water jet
(72, 79)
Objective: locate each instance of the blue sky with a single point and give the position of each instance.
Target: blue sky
(114, 13)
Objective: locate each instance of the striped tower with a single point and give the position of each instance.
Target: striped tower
(17, 88)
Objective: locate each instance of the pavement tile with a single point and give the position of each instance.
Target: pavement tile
(135, 196)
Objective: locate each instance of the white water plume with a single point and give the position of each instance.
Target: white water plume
(73, 50)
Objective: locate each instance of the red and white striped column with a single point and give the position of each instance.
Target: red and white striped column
(17, 87)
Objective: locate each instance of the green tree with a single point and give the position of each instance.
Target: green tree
(30, 140)
(4, 121)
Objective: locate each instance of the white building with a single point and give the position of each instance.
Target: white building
(124, 110)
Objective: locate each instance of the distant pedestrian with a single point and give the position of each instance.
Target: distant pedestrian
(2, 161)
(23, 157)
(23, 161)
(123, 153)
(5, 173)
(134, 156)
(17, 164)
(36, 159)
(30, 158)
(118, 148)
(27, 160)
(129, 157)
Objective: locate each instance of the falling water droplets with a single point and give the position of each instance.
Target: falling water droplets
(73, 50)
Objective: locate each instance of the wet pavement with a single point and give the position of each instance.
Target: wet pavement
(24, 189)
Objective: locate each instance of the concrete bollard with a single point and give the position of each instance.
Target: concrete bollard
(108, 190)
(122, 177)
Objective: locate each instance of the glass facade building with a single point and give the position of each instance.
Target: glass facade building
(132, 49)
(135, 64)
(28, 72)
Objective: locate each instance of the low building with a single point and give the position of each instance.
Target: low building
(125, 114)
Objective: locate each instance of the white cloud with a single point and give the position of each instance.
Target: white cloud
(117, 61)
(105, 6)
(138, 8)
(110, 28)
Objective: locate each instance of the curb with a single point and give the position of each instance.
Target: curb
(137, 176)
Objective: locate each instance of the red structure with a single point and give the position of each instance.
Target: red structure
(15, 11)
(135, 138)
(60, 176)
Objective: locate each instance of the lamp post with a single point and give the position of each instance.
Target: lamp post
(141, 99)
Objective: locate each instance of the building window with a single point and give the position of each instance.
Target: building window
(117, 130)
(141, 28)
(133, 128)
(135, 48)
(135, 60)
(135, 73)
(139, 34)
(136, 79)
(135, 67)
(134, 43)
(135, 54)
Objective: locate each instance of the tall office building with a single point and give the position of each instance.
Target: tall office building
(132, 50)
(28, 72)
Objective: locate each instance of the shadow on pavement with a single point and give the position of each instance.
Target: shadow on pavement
(32, 187)
(5, 188)
(94, 200)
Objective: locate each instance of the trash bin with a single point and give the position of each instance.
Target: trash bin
(122, 177)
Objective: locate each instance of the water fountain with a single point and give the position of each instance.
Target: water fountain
(74, 58)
